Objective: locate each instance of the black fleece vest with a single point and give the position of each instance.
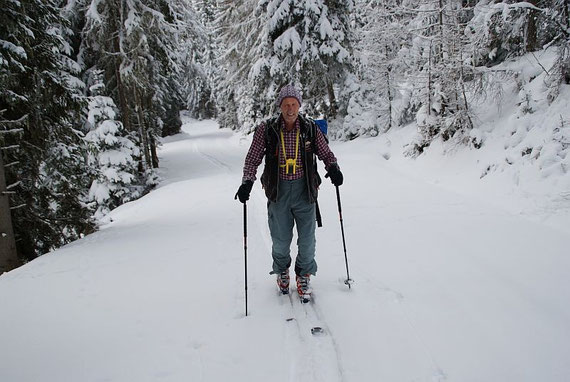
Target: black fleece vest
(270, 176)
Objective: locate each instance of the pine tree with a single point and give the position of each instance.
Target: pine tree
(438, 54)
(306, 42)
(240, 32)
(557, 19)
(137, 44)
(113, 154)
(42, 90)
(8, 254)
(374, 106)
(199, 58)
(12, 63)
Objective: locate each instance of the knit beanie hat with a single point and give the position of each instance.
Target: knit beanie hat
(289, 91)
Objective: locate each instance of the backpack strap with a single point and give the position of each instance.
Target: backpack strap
(270, 125)
(312, 135)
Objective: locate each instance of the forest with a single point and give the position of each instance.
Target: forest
(88, 88)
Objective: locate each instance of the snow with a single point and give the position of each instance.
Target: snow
(99, 192)
(325, 28)
(132, 22)
(290, 39)
(278, 11)
(457, 277)
(114, 157)
(17, 50)
(92, 12)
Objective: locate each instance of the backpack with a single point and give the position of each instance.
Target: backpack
(323, 126)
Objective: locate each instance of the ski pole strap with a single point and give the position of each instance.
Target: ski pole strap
(318, 211)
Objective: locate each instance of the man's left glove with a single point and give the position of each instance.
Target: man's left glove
(243, 191)
(335, 174)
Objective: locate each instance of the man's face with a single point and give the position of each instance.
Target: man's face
(290, 109)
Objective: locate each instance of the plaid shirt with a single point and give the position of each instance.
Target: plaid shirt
(256, 151)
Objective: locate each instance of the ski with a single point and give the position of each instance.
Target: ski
(317, 330)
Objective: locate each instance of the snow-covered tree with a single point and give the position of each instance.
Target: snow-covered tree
(113, 156)
(380, 41)
(40, 88)
(137, 43)
(199, 58)
(307, 43)
(438, 58)
(239, 31)
(8, 254)
(557, 18)
(498, 30)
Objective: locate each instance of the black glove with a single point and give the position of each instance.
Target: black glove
(243, 191)
(335, 174)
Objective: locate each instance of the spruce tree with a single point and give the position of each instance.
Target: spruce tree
(438, 53)
(112, 154)
(8, 254)
(306, 42)
(137, 44)
(239, 31)
(199, 58)
(43, 91)
(375, 105)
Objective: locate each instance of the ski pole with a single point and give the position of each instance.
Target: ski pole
(245, 250)
(348, 280)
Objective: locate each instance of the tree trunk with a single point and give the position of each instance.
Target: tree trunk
(153, 151)
(116, 26)
(441, 32)
(8, 255)
(143, 133)
(389, 91)
(565, 13)
(332, 100)
(429, 79)
(531, 38)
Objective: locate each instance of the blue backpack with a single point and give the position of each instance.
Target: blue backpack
(323, 125)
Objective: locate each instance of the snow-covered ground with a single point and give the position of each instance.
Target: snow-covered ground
(457, 278)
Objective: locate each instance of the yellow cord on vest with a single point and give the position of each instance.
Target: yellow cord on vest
(290, 162)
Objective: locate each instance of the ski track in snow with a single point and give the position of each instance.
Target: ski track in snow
(447, 288)
(319, 356)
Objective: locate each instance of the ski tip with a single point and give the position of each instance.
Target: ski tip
(317, 330)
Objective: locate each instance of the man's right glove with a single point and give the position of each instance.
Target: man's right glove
(243, 191)
(335, 174)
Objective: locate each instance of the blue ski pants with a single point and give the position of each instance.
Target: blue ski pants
(293, 208)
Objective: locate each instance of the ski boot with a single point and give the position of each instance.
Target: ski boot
(283, 282)
(304, 288)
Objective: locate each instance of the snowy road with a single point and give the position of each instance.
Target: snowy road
(448, 287)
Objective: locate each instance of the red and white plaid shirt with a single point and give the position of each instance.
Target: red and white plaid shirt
(256, 151)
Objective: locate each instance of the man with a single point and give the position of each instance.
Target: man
(289, 144)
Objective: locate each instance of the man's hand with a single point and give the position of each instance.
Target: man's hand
(335, 174)
(243, 191)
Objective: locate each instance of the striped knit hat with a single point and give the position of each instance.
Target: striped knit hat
(289, 91)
